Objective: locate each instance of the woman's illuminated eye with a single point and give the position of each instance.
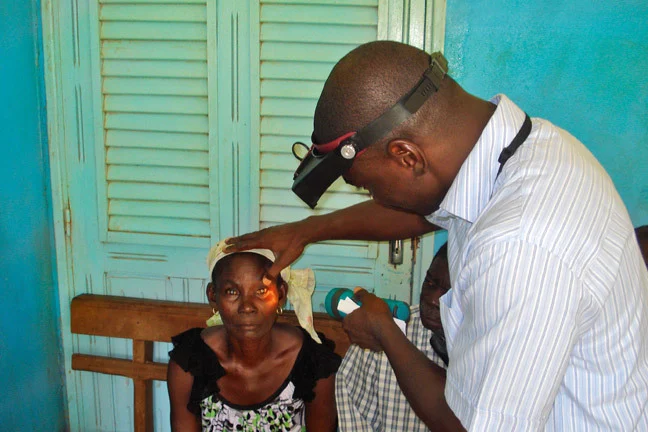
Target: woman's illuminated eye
(262, 291)
(231, 292)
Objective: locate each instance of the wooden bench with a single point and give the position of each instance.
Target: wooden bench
(147, 321)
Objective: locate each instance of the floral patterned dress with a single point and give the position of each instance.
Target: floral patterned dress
(284, 411)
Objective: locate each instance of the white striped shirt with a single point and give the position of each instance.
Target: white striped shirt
(547, 319)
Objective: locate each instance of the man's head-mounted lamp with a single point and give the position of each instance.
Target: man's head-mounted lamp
(324, 163)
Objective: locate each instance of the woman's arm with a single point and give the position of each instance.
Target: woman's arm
(179, 385)
(321, 414)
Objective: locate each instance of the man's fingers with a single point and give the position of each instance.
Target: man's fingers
(273, 272)
(242, 243)
(359, 293)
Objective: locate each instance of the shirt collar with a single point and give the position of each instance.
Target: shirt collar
(472, 188)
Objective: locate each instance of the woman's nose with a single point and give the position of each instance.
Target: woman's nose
(247, 305)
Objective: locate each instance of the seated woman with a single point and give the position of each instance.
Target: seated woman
(250, 373)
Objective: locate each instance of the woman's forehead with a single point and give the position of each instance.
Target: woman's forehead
(241, 264)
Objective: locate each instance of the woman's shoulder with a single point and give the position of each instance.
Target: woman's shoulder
(289, 341)
(315, 361)
(289, 333)
(192, 351)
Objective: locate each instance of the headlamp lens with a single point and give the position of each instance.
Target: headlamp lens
(300, 150)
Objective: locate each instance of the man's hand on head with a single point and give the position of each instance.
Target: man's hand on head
(364, 325)
(286, 241)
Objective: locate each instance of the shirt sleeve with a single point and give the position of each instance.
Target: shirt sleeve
(514, 316)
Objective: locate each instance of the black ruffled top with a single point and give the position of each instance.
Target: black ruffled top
(314, 362)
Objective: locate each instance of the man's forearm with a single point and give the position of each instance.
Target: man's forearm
(421, 381)
(367, 221)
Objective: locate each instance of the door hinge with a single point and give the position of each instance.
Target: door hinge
(67, 221)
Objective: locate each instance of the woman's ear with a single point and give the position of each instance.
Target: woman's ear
(211, 294)
(407, 154)
(282, 292)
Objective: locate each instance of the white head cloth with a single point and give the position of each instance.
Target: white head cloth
(301, 284)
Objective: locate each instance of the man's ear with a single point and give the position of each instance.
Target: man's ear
(408, 155)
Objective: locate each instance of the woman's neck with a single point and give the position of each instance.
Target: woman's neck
(250, 352)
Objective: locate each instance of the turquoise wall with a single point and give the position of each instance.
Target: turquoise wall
(31, 377)
(581, 64)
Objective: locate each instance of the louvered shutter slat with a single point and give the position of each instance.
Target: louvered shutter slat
(158, 122)
(154, 12)
(328, 53)
(319, 2)
(320, 33)
(149, 174)
(341, 13)
(289, 107)
(160, 209)
(153, 31)
(291, 89)
(154, 68)
(147, 225)
(179, 158)
(295, 70)
(158, 50)
(158, 86)
(156, 104)
(166, 140)
(171, 194)
(157, 1)
(288, 125)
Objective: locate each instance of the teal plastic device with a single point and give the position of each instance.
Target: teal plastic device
(399, 309)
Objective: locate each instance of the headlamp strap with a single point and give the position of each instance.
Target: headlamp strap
(406, 105)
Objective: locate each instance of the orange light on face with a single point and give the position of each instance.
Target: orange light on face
(272, 295)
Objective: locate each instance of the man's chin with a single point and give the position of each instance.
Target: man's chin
(431, 324)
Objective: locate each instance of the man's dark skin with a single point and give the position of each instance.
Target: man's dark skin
(407, 173)
(435, 285)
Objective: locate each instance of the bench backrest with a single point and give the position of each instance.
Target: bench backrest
(147, 321)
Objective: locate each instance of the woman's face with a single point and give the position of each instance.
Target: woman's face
(436, 283)
(248, 308)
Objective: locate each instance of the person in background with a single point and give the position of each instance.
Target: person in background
(250, 373)
(642, 238)
(366, 388)
(546, 322)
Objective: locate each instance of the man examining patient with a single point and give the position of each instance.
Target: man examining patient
(547, 319)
